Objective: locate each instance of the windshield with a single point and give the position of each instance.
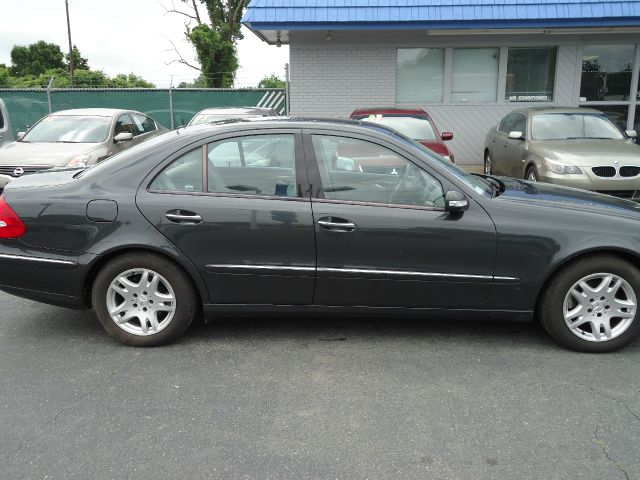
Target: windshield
(478, 184)
(217, 117)
(417, 127)
(572, 126)
(70, 129)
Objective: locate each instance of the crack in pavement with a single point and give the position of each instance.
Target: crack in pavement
(79, 399)
(597, 392)
(605, 449)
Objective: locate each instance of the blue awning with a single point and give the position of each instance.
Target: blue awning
(286, 15)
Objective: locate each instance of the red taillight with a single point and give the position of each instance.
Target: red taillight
(10, 224)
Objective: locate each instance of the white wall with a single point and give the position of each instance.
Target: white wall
(331, 78)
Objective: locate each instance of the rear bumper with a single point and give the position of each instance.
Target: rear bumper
(46, 277)
(76, 303)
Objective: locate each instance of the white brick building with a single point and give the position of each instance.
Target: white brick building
(466, 62)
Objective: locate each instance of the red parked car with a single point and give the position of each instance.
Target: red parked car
(415, 123)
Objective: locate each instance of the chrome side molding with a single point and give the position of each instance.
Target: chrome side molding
(359, 271)
(38, 259)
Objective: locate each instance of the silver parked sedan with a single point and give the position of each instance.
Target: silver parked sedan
(75, 138)
(574, 147)
(218, 114)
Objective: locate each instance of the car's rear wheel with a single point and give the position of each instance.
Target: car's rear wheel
(144, 299)
(532, 174)
(592, 305)
(487, 163)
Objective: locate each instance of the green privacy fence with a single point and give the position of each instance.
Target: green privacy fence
(170, 107)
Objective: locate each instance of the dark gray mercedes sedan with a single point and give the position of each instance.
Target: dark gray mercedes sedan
(332, 217)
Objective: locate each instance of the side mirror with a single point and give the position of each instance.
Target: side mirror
(20, 135)
(123, 137)
(516, 135)
(631, 133)
(446, 136)
(455, 202)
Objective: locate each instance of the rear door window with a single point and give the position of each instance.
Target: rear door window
(253, 165)
(182, 175)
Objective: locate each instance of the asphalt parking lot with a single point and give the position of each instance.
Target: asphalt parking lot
(311, 398)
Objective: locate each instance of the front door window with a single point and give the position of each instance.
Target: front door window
(361, 171)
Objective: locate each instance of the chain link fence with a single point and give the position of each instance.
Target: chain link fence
(171, 107)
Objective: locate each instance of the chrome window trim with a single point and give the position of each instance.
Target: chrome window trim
(228, 195)
(362, 270)
(9, 256)
(378, 204)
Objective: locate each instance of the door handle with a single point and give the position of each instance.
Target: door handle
(181, 216)
(336, 224)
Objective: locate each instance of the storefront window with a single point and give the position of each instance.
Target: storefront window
(420, 75)
(606, 72)
(475, 75)
(530, 74)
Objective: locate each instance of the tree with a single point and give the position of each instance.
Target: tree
(5, 76)
(272, 81)
(199, 82)
(34, 65)
(79, 62)
(35, 59)
(214, 42)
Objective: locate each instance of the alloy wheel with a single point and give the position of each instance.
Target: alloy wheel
(600, 307)
(141, 301)
(487, 164)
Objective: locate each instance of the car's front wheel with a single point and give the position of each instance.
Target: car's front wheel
(592, 305)
(487, 163)
(144, 299)
(532, 174)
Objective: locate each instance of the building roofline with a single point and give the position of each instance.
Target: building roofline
(507, 24)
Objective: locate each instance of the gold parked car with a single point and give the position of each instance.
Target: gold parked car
(75, 138)
(574, 147)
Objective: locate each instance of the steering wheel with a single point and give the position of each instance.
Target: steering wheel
(411, 188)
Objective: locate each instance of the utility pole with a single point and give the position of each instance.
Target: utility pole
(66, 3)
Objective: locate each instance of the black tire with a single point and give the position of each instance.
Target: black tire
(532, 171)
(552, 302)
(186, 298)
(487, 160)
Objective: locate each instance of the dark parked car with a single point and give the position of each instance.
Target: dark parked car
(178, 225)
(415, 123)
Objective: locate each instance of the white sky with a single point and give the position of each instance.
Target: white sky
(127, 36)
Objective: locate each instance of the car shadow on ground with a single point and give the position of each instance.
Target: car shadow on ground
(363, 329)
(46, 322)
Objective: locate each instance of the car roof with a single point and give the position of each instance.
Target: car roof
(390, 110)
(234, 110)
(557, 110)
(285, 122)
(94, 112)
